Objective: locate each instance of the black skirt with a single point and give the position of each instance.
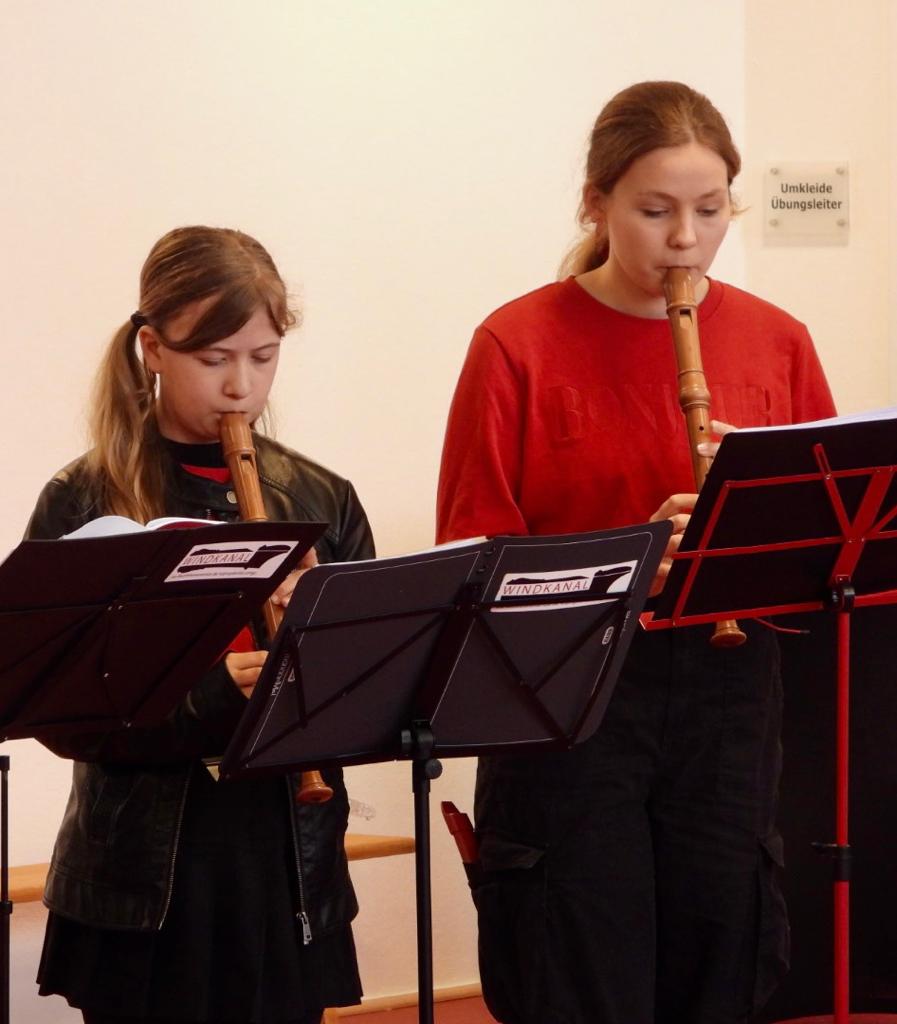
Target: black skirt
(231, 945)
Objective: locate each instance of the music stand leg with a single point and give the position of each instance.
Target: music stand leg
(843, 597)
(5, 902)
(424, 768)
(843, 602)
(842, 849)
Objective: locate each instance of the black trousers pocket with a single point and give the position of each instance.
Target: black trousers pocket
(773, 931)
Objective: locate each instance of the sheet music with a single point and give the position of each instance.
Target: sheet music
(869, 416)
(111, 526)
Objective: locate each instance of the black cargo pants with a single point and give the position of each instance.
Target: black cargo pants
(633, 880)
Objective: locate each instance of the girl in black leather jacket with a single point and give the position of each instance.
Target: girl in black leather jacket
(172, 897)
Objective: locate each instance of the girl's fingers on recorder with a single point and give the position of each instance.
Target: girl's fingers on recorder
(666, 563)
(709, 448)
(284, 592)
(677, 508)
(245, 667)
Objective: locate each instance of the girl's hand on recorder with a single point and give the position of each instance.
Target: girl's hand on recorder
(709, 448)
(677, 508)
(245, 667)
(284, 592)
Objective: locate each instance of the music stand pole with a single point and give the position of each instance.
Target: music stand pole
(841, 851)
(424, 768)
(5, 902)
(843, 598)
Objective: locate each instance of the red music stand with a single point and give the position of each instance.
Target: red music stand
(816, 533)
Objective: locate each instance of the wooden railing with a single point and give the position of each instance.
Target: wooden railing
(26, 882)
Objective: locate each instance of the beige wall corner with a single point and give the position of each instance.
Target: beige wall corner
(819, 87)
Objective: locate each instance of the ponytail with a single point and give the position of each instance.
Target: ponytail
(124, 460)
(587, 254)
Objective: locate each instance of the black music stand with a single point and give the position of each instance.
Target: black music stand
(108, 632)
(509, 644)
(816, 531)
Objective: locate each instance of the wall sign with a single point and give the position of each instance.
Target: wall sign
(806, 204)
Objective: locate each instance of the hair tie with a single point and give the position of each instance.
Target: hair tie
(139, 320)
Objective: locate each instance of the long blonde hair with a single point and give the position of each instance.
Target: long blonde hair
(190, 263)
(642, 118)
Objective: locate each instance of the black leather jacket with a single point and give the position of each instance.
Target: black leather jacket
(113, 861)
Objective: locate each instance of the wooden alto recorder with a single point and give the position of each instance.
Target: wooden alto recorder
(239, 453)
(694, 398)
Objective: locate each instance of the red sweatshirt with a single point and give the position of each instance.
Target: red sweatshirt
(566, 416)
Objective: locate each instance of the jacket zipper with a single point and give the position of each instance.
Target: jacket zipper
(174, 852)
(302, 913)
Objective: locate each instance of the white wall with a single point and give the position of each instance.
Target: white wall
(891, 128)
(410, 164)
(819, 87)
